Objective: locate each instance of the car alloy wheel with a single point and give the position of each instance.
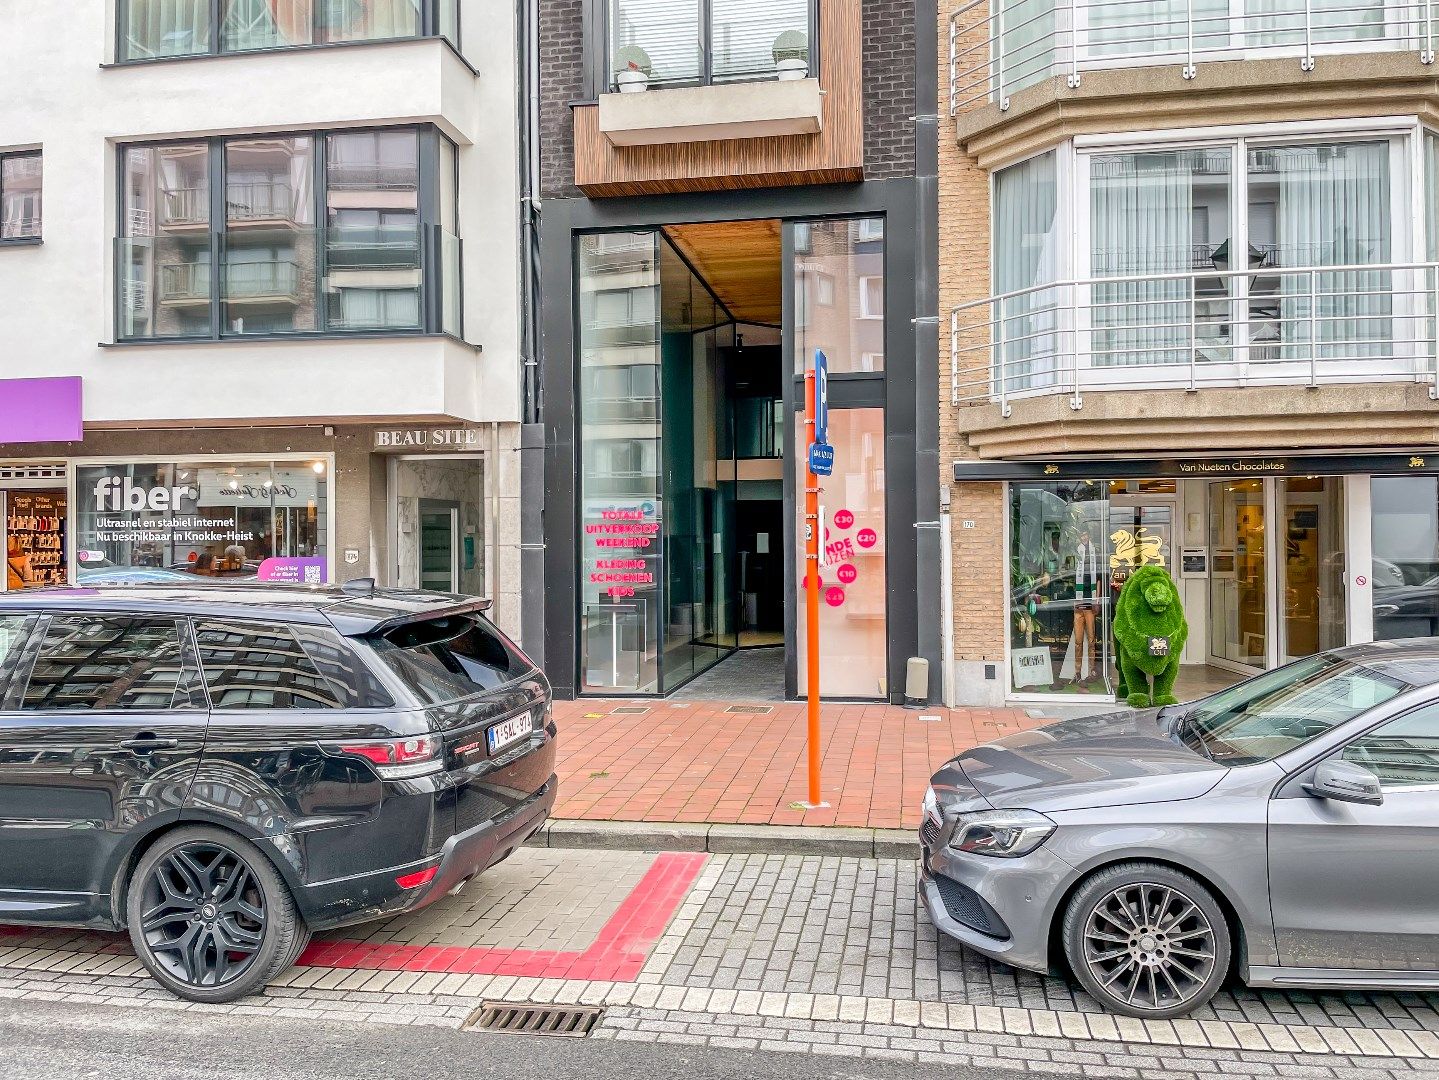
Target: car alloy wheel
(203, 914)
(1150, 947)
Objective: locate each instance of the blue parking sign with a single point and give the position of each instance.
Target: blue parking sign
(821, 397)
(821, 459)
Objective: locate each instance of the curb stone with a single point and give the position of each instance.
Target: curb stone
(729, 839)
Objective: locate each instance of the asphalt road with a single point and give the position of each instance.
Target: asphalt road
(40, 1040)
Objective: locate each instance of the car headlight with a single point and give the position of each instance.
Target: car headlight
(1003, 834)
(931, 803)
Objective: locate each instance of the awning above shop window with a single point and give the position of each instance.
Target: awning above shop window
(41, 410)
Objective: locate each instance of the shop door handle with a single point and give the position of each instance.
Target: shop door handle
(147, 742)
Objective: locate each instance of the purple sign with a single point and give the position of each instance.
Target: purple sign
(308, 571)
(41, 410)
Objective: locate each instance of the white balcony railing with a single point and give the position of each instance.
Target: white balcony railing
(998, 47)
(1309, 326)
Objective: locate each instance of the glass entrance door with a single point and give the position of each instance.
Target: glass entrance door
(1312, 574)
(1239, 575)
(1276, 586)
(439, 546)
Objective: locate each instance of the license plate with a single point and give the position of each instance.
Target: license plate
(508, 731)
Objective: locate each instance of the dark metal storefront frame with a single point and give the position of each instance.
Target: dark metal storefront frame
(906, 390)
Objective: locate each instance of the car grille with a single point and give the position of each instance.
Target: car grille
(966, 908)
(929, 833)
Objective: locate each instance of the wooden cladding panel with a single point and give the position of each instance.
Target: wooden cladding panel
(835, 155)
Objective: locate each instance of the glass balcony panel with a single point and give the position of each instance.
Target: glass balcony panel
(449, 20)
(161, 294)
(156, 28)
(368, 20)
(269, 281)
(452, 298)
(266, 24)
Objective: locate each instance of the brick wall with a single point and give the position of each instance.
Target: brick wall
(980, 574)
(889, 88)
(561, 33)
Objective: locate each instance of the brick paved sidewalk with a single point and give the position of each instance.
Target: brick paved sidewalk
(626, 760)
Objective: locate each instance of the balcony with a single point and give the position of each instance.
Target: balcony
(260, 201)
(694, 96)
(999, 47)
(269, 280)
(1264, 326)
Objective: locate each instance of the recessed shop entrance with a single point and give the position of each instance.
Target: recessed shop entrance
(692, 342)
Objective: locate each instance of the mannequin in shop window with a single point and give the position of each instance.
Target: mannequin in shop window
(18, 572)
(1087, 569)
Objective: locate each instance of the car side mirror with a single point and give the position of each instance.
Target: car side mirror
(1344, 781)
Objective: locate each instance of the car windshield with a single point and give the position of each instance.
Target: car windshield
(1272, 714)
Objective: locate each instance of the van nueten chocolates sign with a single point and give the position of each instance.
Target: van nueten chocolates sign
(1198, 468)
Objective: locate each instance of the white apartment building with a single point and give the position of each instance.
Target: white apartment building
(261, 269)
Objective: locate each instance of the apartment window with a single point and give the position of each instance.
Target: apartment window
(156, 29)
(313, 233)
(1245, 251)
(659, 43)
(20, 196)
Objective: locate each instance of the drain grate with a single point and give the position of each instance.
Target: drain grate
(630, 710)
(751, 709)
(570, 1022)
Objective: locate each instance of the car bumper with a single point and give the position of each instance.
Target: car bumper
(376, 894)
(1002, 908)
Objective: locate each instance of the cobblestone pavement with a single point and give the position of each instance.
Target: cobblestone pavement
(784, 953)
(648, 760)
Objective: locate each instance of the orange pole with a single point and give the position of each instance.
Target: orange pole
(813, 529)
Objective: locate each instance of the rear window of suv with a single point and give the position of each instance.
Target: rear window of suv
(449, 658)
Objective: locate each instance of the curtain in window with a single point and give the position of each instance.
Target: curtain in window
(167, 28)
(266, 24)
(1281, 22)
(1142, 27)
(1026, 39)
(369, 20)
(1333, 210)
(1026, 254)
(1141, 222)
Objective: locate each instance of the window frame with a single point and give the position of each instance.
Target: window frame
(429, 226)
(200, 623)
(601, 80)
(1342, 752)
(39, 237)
(190, 683)
(431, 28)
(1074, 158)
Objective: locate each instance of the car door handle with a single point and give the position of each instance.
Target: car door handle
(145, 743)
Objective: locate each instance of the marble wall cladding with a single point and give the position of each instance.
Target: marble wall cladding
(461, 483)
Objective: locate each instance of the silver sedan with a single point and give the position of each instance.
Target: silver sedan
(1285, 830)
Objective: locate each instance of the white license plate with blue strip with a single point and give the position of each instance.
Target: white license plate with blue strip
(509, 731)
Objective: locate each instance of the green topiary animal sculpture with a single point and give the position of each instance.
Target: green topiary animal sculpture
(1149, 636)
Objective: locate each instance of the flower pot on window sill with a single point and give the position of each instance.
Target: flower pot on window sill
(791, 69)
(632, 82)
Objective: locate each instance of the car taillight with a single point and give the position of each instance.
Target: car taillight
(396, 759)
(418, 878)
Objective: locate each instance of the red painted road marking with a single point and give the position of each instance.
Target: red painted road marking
(617, 955)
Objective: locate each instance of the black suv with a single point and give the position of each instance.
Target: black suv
(225, 770)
